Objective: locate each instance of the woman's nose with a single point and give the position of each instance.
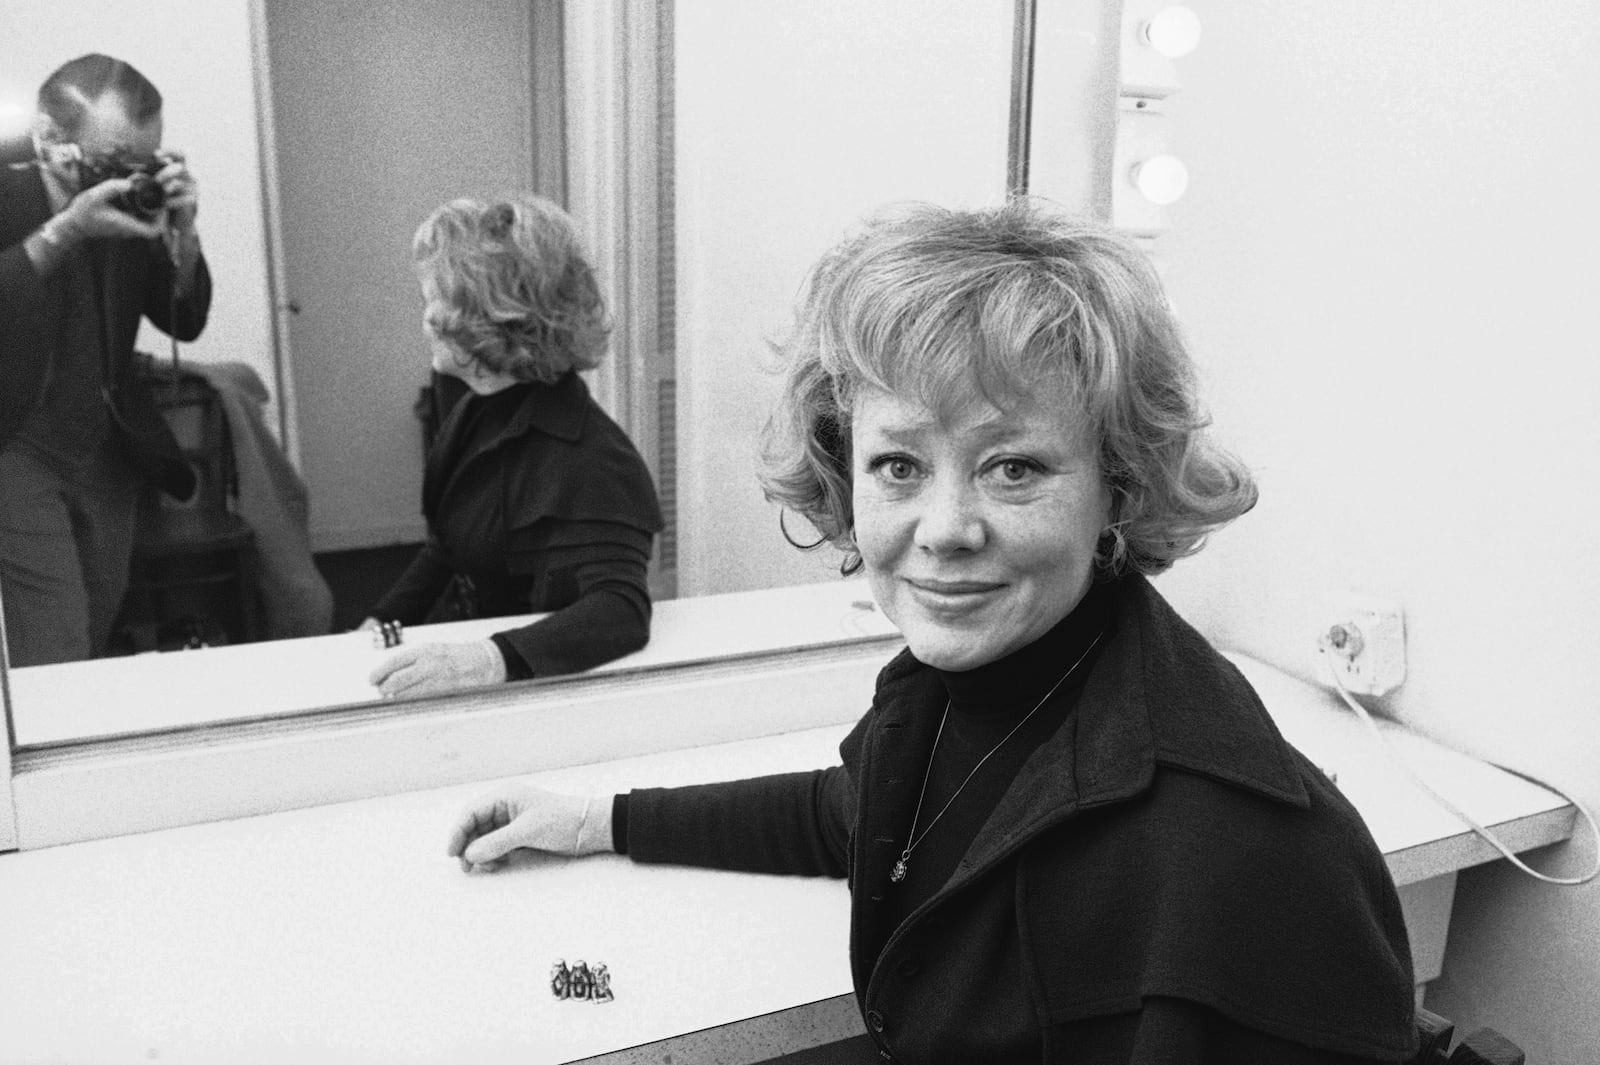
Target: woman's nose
(951, 519)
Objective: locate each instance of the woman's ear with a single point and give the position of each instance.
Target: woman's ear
(1111, 549)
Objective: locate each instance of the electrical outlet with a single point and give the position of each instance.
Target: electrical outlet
(1364, 637)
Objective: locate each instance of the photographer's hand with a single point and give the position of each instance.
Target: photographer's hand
(92, 215)
(183, 206)
(183, 193)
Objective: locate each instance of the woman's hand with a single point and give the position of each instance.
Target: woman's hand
(428, 668)
(521, 817)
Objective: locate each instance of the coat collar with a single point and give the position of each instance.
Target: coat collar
(1157, 694)
(559, 410)
(556, 410)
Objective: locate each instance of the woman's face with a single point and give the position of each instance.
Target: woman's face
(442, 355)
(978, 535)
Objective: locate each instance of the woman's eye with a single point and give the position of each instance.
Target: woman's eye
(1015, 471)
(895, 468)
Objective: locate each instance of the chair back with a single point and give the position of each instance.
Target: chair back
(1483, 1047)
(193, 410)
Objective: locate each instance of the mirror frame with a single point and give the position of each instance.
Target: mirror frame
(51, 796)
(8, 806)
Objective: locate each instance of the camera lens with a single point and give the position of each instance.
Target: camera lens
(146, 196)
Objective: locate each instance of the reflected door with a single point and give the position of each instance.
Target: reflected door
(382, 112)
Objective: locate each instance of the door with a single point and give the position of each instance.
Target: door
(382, 110)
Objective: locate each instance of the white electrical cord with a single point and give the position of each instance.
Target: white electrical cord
(1329, 650)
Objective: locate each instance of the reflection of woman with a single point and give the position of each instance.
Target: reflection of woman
(536, 501)
(1071, 830)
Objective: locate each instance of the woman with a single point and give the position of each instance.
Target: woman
(536, 501)
(1072, 832)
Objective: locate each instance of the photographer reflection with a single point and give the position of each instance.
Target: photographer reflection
(536, 501)
(97, 229)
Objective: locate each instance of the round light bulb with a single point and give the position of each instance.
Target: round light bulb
(1173, 31)
(1162, 179)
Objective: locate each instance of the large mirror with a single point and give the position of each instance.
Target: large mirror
(708, 150)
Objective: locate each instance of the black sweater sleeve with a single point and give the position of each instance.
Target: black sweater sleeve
(608, 615)
(790, 823)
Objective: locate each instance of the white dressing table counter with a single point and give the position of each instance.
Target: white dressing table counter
(340, 932)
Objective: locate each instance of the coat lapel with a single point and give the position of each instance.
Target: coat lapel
(1158, 693)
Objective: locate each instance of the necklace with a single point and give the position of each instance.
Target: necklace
(898, 873)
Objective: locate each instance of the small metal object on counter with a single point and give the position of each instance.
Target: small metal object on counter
(602, 983)
(387, 634)
(580, 982)
(560, 980)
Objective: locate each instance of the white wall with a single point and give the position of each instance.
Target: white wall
(793, 119)
(197, 52)
(1383, 259)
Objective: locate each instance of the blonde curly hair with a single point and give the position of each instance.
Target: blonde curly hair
(943, 305)
(516, 293)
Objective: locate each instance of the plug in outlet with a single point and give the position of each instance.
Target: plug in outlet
(1364, 637)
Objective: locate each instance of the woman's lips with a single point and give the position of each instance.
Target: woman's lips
(951, 595)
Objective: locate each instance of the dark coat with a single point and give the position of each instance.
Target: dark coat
(139, 283)
(1165, 881)
(555, 512)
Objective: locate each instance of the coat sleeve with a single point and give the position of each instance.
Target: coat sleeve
(23, 323)
(600, 570)
(1281, 919)
(179, 315)
(790, 823)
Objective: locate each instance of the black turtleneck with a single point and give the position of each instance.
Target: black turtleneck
(985, 704)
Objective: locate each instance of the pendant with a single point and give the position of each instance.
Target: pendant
(898, 873)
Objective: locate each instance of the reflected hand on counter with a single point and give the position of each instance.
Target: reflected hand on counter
(431, 668)
(525, 818)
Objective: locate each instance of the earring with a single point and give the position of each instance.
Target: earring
(1111, 549)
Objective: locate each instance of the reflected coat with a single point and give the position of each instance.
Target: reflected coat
(553, 512)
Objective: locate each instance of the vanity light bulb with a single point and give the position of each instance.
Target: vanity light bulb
(1173, 31)
(1162, 179)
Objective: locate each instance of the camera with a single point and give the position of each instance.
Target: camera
(146, 198)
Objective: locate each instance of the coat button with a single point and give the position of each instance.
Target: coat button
(875, 1020)
(909, 968)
